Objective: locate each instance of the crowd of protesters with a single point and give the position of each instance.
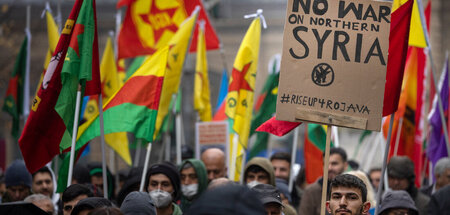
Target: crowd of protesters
(202, 187)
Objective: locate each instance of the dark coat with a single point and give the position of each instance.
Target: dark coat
(440, 202)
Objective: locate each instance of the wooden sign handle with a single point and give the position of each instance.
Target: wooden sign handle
(325, 171)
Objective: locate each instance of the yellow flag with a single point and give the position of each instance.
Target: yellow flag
(241, 88)
(416, 36)
(53, 38)
(110, 84)
(178, 47)
(202, 100)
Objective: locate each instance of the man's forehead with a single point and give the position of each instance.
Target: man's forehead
(42, 175)
(159, 177)
(345, 190)
(188, 170)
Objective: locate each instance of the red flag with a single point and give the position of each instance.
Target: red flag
(398, 48)
(277, 127)
(149, 25)
(45, 129)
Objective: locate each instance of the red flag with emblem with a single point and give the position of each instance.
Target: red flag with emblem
(150, 24)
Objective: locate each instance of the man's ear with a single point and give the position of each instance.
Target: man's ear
(366, 207)
(327, 204)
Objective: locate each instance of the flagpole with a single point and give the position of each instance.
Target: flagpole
(293, 157)
(58, 16)
(144, 173)
(102, 141)
(177, 129)
(233, 157)
(26, 93)
(74, 136)
(336, 136)
(325, 170)
(397, 138)
(433, 69)
(137, 153)
(383, 169)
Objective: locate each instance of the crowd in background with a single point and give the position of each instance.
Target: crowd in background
(202, 187)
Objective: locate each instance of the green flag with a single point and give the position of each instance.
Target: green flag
(14, 95)
(264, 109)
(80, 66)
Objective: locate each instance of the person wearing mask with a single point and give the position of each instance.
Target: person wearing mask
(281, 162)
(397, 202)
(72, 195)
(441, 174)
(138, 203)
(194, 181)
(17, 181)
(401, 176)
(258, 171)
(214, 160)
(311, 198)
(163, 185)
(41, 201)
(347, 195)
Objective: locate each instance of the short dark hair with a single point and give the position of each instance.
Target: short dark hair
(44, 169)
(75, 190)
(281, 156)
(349, 181)
(339, 151)
(255, 169)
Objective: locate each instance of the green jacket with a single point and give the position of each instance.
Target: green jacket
(176, 210)
(202, 176)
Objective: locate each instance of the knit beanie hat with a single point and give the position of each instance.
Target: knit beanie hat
(138, 203)
(169, 170)
(17, 174)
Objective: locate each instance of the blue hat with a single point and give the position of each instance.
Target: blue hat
(17, 174)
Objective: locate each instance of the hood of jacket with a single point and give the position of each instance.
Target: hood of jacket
(263, 163)
(139, 203)
(397, 199)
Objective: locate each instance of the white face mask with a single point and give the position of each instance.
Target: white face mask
(251, 184)
(189, 190)
(160, 198)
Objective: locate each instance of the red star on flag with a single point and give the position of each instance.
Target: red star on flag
(78, 29)
(160, 20)
(239, 82)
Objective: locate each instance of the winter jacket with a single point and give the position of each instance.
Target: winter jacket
(440, 202)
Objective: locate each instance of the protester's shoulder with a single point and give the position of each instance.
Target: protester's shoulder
(422, 198)
(176, 209)
(313, 187)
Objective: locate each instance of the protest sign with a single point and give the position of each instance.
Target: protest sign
(211, 134)
(333, 65)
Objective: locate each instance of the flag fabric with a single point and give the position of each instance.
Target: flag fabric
(177, 52)
(410, 109)
(110, 84)
(135, 106)
(202, 98)
(223, 90)
(74, 62)
(437, 148)
(53, 37)
(315, 142)
(150, 24)
(277, 127)
(14, 104)
(63, 173)
(264, 109)
(239, 101)
(398, 47)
